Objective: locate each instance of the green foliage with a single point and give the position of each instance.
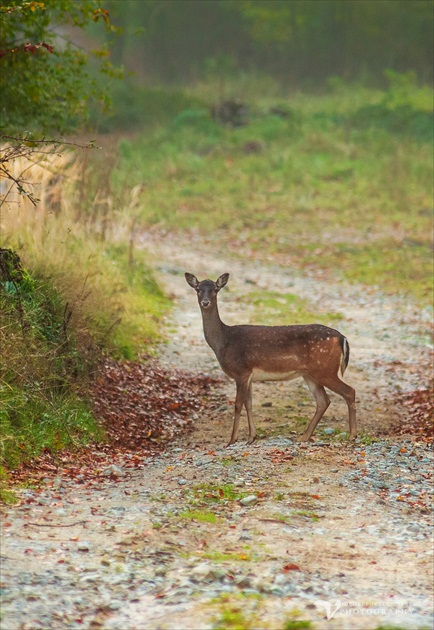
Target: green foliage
(8, 497)
(404, 109)
(297, 624)
(133, 107)
(32, 420)
(364, 438)
(44, 82)
(403, 119)
(34, 316)
(44, 364)
(298, 43)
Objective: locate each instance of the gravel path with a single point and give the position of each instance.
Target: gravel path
(248, 537)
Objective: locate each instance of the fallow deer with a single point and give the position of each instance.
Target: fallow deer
(248, 353)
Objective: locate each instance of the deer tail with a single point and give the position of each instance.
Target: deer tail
(345, 355)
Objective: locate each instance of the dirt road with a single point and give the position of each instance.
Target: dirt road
(269, 536)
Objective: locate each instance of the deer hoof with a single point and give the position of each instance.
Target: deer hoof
(251, 440)
(352, 437)
(304, 438)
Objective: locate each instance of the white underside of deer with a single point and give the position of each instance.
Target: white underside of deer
(249, 353)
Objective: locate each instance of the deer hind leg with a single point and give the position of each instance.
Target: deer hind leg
(349, 395)
(248, 405)
(241, 400)
(322, 403)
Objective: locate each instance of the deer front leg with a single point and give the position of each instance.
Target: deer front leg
(240, 402)
(248, 405)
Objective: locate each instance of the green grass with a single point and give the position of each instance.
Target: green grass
(7, 496)
(32, 421)
(234, 619)
(283, 518)
(406, 267)
(141, 303)
(202, 516)
(228, 461)
(332, 186)
(219, 556)
(297, 624)
(280, 308)
(209, 494)
(306, 514)
(237, 611)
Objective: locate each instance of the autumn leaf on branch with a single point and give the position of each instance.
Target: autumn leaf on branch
(27, 47)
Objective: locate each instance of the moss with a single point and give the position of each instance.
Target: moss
(297, 624)
(202, 516)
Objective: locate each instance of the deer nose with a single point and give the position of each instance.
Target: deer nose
(205, 303)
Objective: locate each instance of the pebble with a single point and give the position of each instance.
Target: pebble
(250, 500)
(245, 536)
(114, 470)
(89, 577)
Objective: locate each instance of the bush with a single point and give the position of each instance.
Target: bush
(46, 362)
(405, 108)
(402, 119)
(135, 107)
(54, 328)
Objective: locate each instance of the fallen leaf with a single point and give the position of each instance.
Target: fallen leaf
(290, 567)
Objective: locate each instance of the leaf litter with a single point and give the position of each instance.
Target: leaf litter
(141, 407)
(419, 420)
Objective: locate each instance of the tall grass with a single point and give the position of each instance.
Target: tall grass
(85, 291)
(83, 243)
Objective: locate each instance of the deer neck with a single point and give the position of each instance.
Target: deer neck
(214, 328)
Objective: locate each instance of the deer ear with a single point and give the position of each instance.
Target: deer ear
(222, 281)
(192, 280)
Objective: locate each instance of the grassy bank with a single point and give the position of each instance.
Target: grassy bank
(74, 295)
